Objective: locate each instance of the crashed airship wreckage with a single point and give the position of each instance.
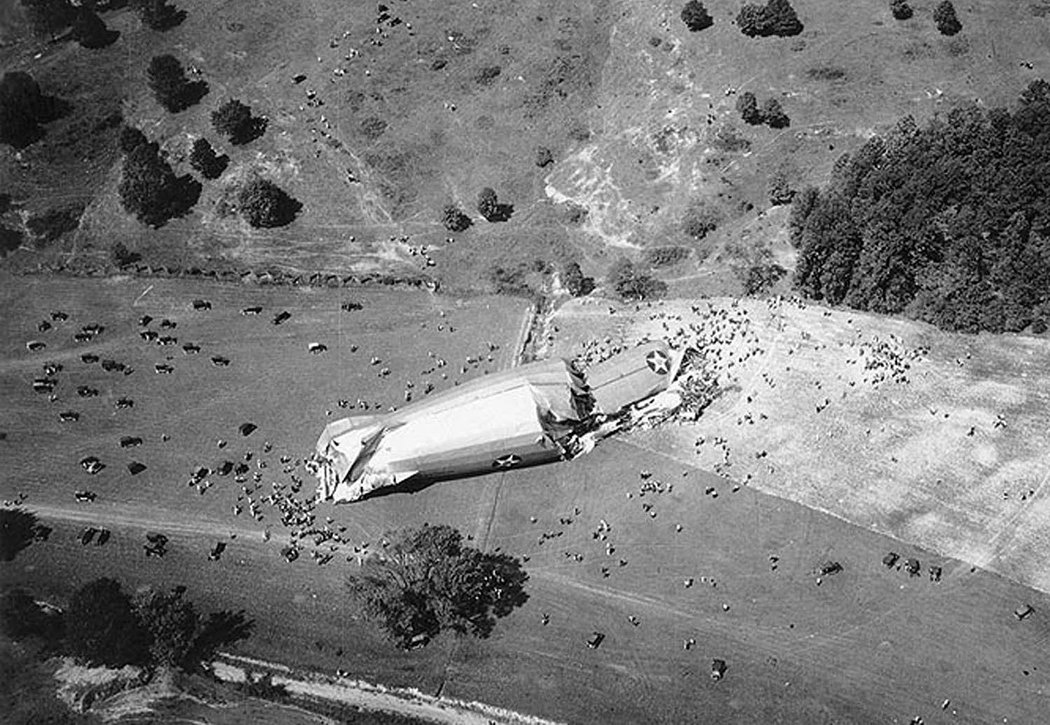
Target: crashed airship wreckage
(535, 413)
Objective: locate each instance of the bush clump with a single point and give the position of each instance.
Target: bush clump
(776, 17)
(700, 219)
(696, 17)
(948, 223)
(946, 19)
(453, 218)
(262, 203)
(901, 9)
(173, 90)
(633, 284)
(148, 187)
(770, 112)
(573, 279)
(205, 161)
(24, 109)
(234, 120)
(665, 256)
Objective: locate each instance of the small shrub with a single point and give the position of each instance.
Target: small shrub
(573, 279)
(747, 106)
(760, 277)
(544, 157)
(901, 9)
(665, 256)
(700, 219)
(158, 14)
(946, 19)
(632, 284)
(487, 74)
(826, 73)
(453, 218)
(373, 127)
(776, 17)
(773, 115)
(122, 256)
(488, 203)
(779, 190)
(696, 17)
(47, 17)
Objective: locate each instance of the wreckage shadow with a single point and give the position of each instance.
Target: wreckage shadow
(415, 485)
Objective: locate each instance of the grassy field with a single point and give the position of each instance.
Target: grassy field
(394, 119)
(866, 645)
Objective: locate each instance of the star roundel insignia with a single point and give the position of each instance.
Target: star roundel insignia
(508, 461)
(658, 362)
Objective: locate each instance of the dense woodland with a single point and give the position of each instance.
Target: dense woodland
(948, 223)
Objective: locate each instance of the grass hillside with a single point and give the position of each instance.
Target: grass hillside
(404, 110)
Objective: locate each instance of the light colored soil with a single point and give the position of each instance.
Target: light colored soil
(888, 424)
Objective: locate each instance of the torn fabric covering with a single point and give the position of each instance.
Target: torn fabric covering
(632, 375)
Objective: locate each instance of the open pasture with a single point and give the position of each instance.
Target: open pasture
(868, 644)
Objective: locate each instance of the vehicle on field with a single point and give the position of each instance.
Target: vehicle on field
(85, 496)
(216, 552)
(595, 640)
(1024, 611)
(282, 317)
(718, 669)
(201, 305)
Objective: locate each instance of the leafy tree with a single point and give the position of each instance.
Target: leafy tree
(632, 284)
(172, 623)
(427, 581)
(696, 17)
(234, 120)
(946, 19)
(700, 219)
(23, 108)
(488, 203)
(785, 21)
(47, 17)
(130, 138)
(90, 31)
(204, 160)
(150, 190)
(159, 14)
(773, 115)
(167, 79)
(779, 190)
(801, 207)
(948, 223)
(573, 279)
(101, 626)
(453, 218)
(17, 529)
(901, 9)
(747, 106)
(760, 277)
(264, 204)
(776, 17)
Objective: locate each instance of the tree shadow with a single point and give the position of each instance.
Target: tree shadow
(192, 93)
(17, 531)
(248, 132)
(220, 629)
(103, 39)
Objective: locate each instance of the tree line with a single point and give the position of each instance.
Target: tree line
(947, 223)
